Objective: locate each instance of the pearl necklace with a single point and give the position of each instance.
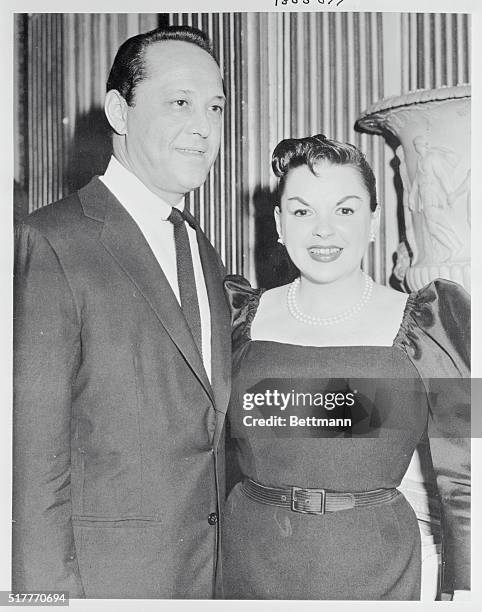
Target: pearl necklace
(296, 313)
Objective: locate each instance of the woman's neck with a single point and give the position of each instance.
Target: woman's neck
(331, 298)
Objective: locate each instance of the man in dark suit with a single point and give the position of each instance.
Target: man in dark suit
(122, 349)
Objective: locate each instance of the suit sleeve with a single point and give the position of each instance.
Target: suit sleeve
(46, 357)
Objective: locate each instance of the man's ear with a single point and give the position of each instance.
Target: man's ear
(277, 220)
(115, 108)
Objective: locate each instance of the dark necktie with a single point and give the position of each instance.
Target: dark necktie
(185, 276)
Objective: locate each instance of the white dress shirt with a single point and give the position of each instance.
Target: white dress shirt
(151, 214)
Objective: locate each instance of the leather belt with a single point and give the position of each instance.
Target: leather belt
(314, 501)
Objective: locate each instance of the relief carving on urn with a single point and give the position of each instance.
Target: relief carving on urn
(432, 140)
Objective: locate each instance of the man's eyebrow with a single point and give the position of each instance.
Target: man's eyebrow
(179, 90)
(191, 91)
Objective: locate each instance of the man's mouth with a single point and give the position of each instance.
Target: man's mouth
(325, 254)
(191, 151)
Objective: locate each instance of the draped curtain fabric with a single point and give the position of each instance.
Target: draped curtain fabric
(286, 75)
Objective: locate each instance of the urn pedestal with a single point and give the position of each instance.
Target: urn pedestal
(431, 132)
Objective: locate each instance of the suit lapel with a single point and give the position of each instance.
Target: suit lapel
(125, 242)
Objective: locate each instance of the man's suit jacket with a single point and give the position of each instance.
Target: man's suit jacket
(118, 454)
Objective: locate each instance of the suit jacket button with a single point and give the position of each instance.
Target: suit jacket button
(213, 518)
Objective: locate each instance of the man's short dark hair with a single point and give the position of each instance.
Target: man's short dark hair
(294, 152)
(129, 67)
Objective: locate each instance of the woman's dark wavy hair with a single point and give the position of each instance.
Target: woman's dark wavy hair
(294, 152)
(129, 67)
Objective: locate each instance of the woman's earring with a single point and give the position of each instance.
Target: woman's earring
(280, 239)
(372, 236)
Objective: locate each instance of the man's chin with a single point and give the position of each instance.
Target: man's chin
(194, 181)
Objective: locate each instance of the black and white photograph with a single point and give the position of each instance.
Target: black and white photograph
(238, 337)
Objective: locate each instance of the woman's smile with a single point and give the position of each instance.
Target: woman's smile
(324, 254)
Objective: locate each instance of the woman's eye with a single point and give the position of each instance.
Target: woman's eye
(301, 212)
(181, 102)
(217, 109)
(344, 211)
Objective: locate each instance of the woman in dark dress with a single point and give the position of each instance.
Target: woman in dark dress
(316, 513)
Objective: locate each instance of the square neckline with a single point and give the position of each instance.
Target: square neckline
(253, 308)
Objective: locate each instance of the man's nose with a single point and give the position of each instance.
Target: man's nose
(200, 123)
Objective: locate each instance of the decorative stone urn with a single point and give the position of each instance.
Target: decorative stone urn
(433, 129)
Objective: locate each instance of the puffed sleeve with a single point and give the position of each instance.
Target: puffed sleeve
(46, 356)
(243, 301)
(435, 334)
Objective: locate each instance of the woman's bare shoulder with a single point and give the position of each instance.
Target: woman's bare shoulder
(275, 294)
(387, 297)
(272, 304)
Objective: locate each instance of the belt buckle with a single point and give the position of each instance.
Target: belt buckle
(298, 504)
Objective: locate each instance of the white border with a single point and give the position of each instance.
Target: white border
(6, 174)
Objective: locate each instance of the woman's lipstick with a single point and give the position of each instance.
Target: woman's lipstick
(325, 254)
